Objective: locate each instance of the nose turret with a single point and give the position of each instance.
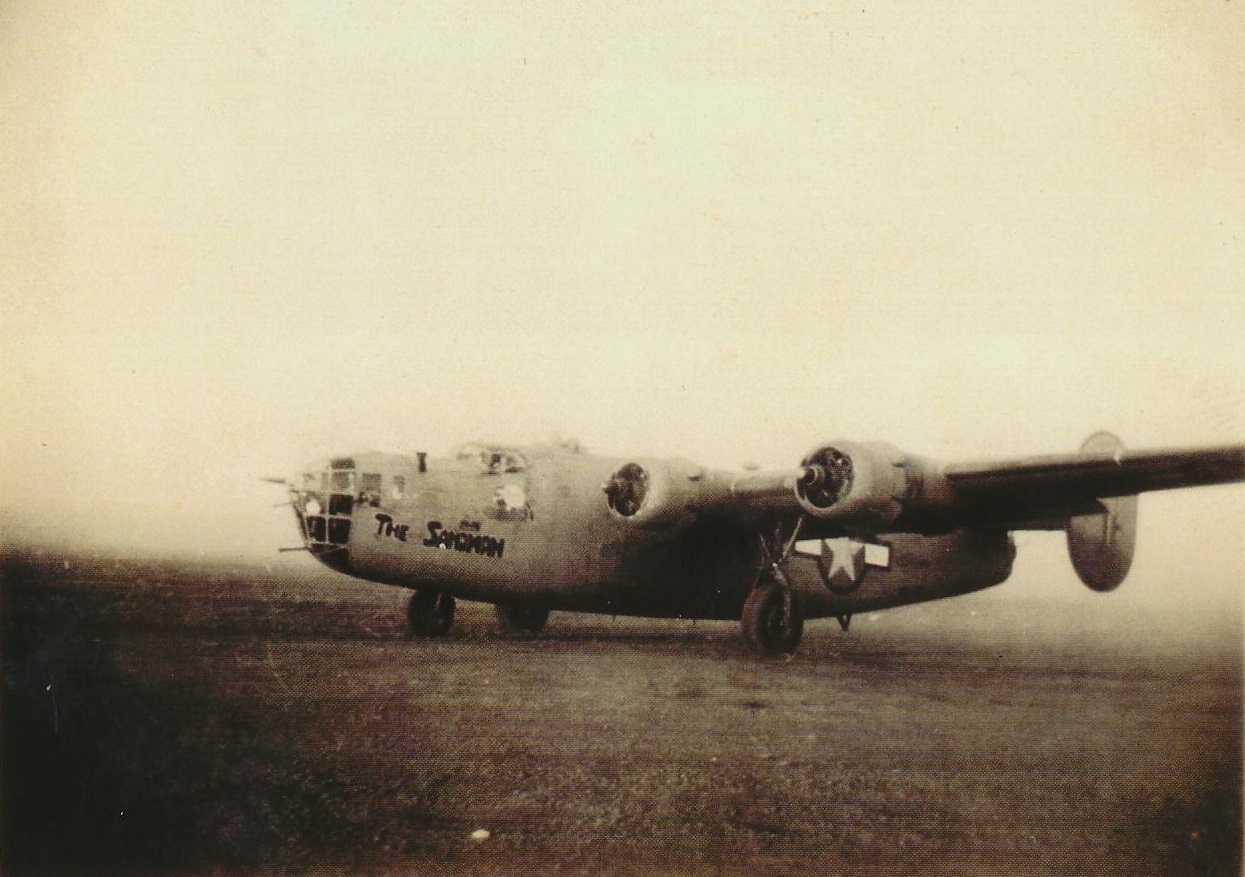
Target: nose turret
(323, 497)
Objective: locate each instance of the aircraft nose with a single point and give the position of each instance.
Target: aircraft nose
(323, 500)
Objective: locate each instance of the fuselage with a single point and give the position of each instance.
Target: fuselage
(531, 526)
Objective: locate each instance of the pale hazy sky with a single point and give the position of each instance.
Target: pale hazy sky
(237, 236)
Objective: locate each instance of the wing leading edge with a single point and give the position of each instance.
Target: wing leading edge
(1043, 492)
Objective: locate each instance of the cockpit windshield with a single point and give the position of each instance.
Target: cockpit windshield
(492, 459)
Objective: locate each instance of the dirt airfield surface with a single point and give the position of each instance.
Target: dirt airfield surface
(188, 718)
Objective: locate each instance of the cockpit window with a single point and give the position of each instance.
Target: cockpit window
(493, 460)
(470, 451)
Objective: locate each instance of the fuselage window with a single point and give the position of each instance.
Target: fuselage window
(316, 525)
(339, 530)
(343, 481)
(369, 488)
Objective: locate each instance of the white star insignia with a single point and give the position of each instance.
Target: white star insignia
(842, 562)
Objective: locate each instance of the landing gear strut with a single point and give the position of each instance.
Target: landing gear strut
(772, 619)
(430, 613)
(521, 619)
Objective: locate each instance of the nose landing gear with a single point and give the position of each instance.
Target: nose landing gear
(430, 613)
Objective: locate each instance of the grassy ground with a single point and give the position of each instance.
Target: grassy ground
(190, 718)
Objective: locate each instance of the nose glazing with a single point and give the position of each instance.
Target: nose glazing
(323, 502)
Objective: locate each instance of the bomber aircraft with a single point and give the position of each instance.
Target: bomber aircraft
(855, 527)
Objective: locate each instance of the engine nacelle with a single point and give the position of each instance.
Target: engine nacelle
(864, 487)
(859, 484)
(660, 492)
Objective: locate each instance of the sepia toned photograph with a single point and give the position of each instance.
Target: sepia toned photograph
(456, 438)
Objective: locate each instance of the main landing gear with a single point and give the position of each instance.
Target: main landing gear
(772, 620)
(521, 619)
(430, 613)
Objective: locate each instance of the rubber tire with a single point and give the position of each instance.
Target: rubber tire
(765, 622)
(430, 613)
(521, 619)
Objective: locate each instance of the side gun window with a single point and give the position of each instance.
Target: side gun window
(369, 488)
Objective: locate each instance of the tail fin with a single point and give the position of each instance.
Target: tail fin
(1101, 545)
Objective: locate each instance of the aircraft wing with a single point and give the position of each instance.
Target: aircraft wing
(1043, 492)
(867, 489)
(870, 487)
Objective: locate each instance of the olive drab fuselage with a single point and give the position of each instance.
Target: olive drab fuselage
(533, 527)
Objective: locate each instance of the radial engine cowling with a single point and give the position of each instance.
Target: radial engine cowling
(862, 486)
(659, 492)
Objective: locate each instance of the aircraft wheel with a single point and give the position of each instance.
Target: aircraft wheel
(521, 619)
(430, 612)
(773, 622)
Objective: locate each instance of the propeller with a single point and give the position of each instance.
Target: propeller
(826, 478)
(627, 489)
